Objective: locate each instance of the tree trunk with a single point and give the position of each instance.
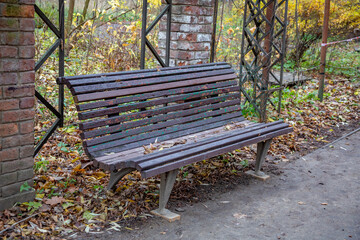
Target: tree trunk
(70, 17)
(86, 6)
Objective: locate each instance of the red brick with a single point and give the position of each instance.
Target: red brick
(12, 141)
(12, 166)
(27, 77)
(27, 64)
(9, 104)
(18, 140)
(27, 2)
(8, 51)
(6, 179)
(9, 154)
(10, 38)
(175, 27)
(201, 46)
(17, 115)
(26, 127)
(27, 24)
(22, 91)
(185, 2)
(27, 38)
(202, 55)
(27, 102)
(15, 10)
(11, 189)
(9, 65)
(191, 10)
(27, 139)
(25, 174)
(26, 151)
(8, 129)
(9, 24)
(187, 36)
(26, 52)
(185, 55)
(8, 78)
(9, 1)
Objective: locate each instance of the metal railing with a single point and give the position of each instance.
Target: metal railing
(145, 31)
(262, 47)
(58, 44)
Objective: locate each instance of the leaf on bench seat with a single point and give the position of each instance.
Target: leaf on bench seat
(109, 153)
(149, 149)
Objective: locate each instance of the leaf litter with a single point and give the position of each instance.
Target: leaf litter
(71, 198)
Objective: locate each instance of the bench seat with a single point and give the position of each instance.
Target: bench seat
(197, 147)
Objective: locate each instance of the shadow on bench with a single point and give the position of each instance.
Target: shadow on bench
(194, 109)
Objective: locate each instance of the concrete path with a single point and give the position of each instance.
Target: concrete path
(317, 197)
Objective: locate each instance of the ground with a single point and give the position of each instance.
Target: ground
(316, 197)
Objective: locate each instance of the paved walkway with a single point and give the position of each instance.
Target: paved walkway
(317, 197)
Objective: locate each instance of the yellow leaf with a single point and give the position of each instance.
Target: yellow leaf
(100, 175)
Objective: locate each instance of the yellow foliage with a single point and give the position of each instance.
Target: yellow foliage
(344, 17)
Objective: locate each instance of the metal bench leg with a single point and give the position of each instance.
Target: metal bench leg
(116, 176)
(166, 185)
(262, 149)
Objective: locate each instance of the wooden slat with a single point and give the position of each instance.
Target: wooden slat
(211, 153)
(165, 136)
(139, 97)
(216, 143)
(149, 103)
(115, 161)
(152, 120)
(145, 82)
(142, 135)
(157, 111)
(151, 88)
(142, 75)
(80, 77)
(138, 153)
(209, 138)
(160, 125)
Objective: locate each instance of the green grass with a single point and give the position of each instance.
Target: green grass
(341, 60)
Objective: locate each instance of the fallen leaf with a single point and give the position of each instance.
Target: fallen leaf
(54, 200)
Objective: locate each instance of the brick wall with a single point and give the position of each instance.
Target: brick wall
(191, 30)
(16, 100)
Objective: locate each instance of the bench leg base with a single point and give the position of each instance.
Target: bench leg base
(259, 175)
(166, 214)
(262, 148)
(166, 185)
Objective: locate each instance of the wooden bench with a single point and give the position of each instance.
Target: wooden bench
(194, 109)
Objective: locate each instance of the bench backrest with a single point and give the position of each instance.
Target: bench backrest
(126, 110)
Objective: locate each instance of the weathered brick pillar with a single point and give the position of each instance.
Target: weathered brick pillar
(191, 30)
(16, 100)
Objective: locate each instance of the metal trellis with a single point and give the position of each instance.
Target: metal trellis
(145, 31)
(58, 44)
(263, 47)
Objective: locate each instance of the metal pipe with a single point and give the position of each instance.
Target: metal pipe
(143, 34)
(270, 11)
(213, 35)
(242, 57)
(283, 53)
(168, 34)
(61, 59)
(323, 49)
